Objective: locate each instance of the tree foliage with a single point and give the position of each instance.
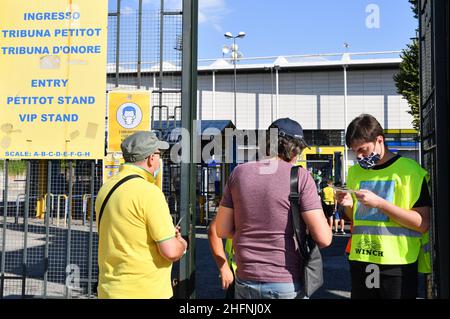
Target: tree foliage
(415, 7)
(407, 80)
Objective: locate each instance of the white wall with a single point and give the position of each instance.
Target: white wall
(314, 98)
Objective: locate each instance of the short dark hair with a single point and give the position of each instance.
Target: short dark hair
(363, 129)
(288, 148)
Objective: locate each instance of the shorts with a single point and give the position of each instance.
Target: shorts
(337, 215)
(328, 210)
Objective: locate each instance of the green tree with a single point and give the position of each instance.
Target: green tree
(407, 79)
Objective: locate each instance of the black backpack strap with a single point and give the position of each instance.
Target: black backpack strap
(123, 180)
(296, 219)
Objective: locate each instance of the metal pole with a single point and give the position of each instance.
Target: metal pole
(214, 94)
(344, 176)
(47, 226)
(420, 147)
(161, 59)
(91, 222)
(277, 88)
(271, 95)
(118, 44)
(204, 179)
(234, 82)
(25, 230)
(5, 214)
(188, 170)
(139, 53)
(69, 224)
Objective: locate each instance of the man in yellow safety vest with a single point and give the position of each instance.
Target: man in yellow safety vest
(389, 203)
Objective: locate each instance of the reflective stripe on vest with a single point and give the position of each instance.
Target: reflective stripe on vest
(375, 237)
(385, 231)
(426, 248)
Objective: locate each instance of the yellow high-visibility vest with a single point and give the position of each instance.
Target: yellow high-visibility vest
(375, 237)
(230, 254)
(424, 261)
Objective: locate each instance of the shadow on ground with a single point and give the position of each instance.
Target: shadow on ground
(336, 272)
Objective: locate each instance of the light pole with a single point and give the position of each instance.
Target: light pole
(345, 59)
(234, 55)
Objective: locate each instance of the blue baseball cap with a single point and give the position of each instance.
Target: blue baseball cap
(289, 128)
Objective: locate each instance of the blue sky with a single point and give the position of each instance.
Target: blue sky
(290, 27)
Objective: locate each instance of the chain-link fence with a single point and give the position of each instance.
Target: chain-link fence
(48, 236)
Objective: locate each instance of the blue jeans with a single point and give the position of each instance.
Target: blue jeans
(246, 289)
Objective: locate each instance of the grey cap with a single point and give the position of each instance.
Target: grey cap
(140, 145)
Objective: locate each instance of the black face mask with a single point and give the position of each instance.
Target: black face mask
(370, 161)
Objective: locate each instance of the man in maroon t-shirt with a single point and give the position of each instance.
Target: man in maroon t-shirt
(255, 212)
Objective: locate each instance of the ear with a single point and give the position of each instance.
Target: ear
(380, 139)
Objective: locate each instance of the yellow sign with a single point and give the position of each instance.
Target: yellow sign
(111, 165)
(53, 78)
(129, 112)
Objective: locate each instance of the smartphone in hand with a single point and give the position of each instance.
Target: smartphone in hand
(178, 224)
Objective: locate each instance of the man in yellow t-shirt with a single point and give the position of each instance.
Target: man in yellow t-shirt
(137, 239)
(328, 202)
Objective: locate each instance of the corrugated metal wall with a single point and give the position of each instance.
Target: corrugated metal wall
(314, 98)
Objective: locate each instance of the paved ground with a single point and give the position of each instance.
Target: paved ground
(336, 270)
(336, 273)
(56, 262)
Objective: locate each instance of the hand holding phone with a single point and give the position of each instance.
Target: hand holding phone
(178, 224)
(178, 235)
(343, 189)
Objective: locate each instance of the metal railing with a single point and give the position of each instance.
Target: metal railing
(86, 199)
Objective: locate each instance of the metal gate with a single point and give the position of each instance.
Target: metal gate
(433, 39)
(48, 234)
